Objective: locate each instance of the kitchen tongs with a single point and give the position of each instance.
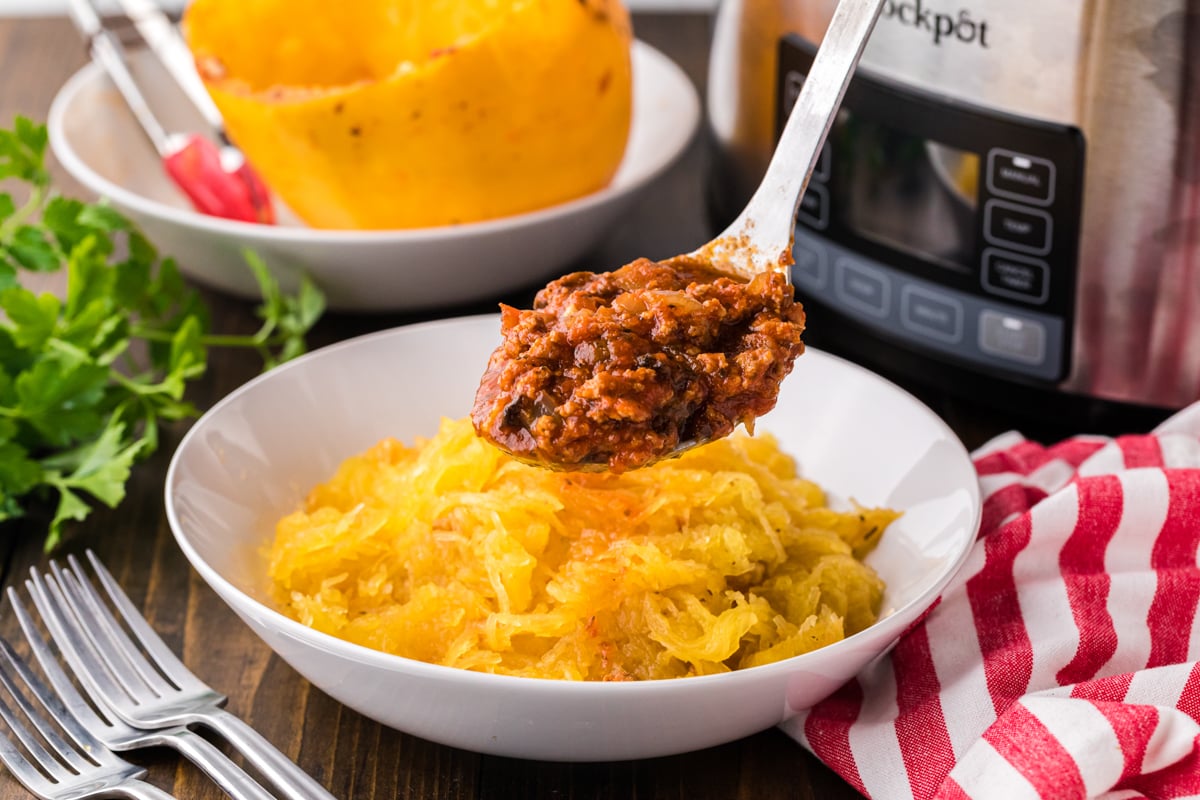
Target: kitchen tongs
(213, 174)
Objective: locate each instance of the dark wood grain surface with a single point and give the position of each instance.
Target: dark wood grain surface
(353, 756)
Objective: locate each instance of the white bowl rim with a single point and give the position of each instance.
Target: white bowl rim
(78, 168)
(402, 664)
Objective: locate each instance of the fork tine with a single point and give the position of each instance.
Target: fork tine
(116, 730)
(71, 698)
(170, 665)
(68, 754)
(75, 640)
(49, 765)
(102, 632)
(50, 603)
(45, 760)
(118, 638)
(189, 700)
(16, 761)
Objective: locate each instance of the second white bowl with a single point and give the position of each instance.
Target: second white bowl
(98, 142)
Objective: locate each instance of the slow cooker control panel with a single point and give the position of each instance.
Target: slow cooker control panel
(948, 228)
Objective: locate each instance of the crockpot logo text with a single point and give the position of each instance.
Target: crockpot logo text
(941, 27)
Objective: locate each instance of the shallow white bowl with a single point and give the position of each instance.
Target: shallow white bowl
(98, 142)
(253, 457)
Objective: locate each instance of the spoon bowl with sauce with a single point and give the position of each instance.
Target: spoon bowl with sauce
(621, 369)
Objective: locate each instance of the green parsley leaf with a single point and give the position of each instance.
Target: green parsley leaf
(23, 153)
(86, 380)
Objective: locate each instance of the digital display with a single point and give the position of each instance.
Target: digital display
(908, 193)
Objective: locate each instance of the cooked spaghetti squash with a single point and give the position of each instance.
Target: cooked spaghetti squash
(454, 553)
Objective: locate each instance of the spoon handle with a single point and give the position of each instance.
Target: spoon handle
(767, 223)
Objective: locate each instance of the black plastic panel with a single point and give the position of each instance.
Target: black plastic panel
(971, 216)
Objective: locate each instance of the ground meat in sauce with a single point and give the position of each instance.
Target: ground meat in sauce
(617, 369)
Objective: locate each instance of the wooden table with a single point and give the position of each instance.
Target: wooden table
(353, 756)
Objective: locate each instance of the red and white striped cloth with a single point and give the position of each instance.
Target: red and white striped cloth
(1063, 661)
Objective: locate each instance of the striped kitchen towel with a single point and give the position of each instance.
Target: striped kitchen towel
(1063, 661)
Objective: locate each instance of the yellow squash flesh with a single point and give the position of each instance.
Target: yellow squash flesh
(394, 114)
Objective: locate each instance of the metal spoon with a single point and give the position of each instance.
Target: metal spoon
(760, 239)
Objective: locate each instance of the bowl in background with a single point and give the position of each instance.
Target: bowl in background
(253, 457)
(98, 142)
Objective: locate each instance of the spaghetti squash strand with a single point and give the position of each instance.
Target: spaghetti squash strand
(453, 553)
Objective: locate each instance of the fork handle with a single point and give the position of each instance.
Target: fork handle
(293, 782)
(140, 790)
(208, 757)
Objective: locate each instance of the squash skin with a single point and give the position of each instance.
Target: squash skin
(440, 121)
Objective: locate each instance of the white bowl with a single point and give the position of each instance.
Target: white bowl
(98, 142)
(253, 457)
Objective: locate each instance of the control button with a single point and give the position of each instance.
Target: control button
(1019, 277)
(1011, 337)
(814, 206)
(1024, 229)
(811, 269)
(862, 287)
(1021, 177)
(931, 313)
(824, 167)
(793, 82)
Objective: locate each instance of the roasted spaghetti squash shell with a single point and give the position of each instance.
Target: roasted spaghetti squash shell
(400, 115)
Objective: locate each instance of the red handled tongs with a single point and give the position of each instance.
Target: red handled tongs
(214, 175)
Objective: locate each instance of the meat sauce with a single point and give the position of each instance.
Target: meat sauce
(620, 369)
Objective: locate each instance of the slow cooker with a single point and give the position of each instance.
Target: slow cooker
(1009, 198)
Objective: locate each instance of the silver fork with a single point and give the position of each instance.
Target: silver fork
(54, 767)
(156, 690)
(117, 735)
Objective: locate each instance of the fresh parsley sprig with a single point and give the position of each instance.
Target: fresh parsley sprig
(87, 379)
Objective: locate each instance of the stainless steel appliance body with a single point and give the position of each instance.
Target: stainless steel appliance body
(1012, 190)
